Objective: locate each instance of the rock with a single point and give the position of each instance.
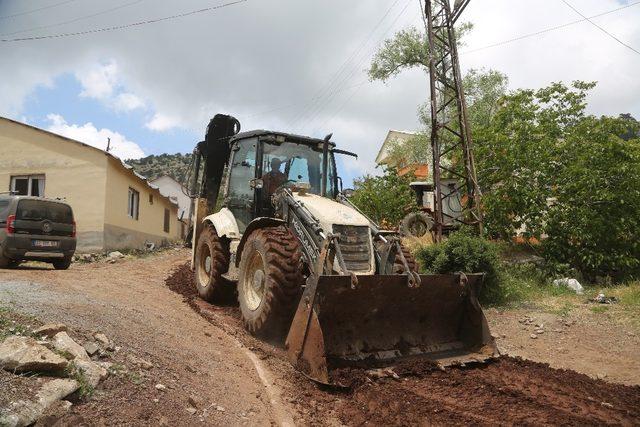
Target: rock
(27, 412)
(91, 348)
(141, 363)
(50, 329)
(194, 401)
(607, 405)
(115, 255)
(63, 342)
(161, 387)
(156, 400)
(220, 409)
(533, 336)
(104, 340)
(191, 410)
(572, 284)
(190, 369)
(92, 371)
(539, 331)
(24, 354)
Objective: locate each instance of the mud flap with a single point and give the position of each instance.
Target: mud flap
(383, 319)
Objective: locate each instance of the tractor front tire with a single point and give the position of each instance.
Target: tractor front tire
(416, 224)
(212, 261)
(270, 281)
(398, 266)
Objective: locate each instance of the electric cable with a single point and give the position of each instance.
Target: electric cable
(124, 26)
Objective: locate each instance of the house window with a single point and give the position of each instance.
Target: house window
(167, 219)
(150, 198)
(134, 204)
(28, 185)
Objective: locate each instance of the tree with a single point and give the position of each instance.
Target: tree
(385, 199)
(564, 177)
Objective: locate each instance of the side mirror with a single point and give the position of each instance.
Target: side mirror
(256, 183)
(348, 193)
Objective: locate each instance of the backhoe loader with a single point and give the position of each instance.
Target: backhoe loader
(271, 218)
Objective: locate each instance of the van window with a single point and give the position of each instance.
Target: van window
(38, 210)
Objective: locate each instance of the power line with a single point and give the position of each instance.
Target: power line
(81, 18)
(36, 10)
(349, 75)
(122, 27)
(546, 30)
(327, 87)
(600, 28)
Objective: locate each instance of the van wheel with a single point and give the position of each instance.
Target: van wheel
(212, 261)
(270, 281)
(62, 264)
(416, 224)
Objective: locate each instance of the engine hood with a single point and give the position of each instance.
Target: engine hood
(330, 212)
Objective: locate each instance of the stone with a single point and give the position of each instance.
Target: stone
(139, 362)
(607, 405)
(50, 329)
(194, 401)
(24, 354)
(115, 255)
(220, 409)
(161, 387)
(539, 331)
(92, 371)
(572, 284)
(191, 410)
(533, 336)
(27, 412)
(91, 348)
(104, 340)
(63, 342)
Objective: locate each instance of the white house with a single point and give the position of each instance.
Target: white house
(171, 188)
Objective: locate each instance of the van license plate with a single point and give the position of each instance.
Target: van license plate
(45, 243)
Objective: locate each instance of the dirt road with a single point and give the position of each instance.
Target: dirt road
(129, 303)
(202, 351)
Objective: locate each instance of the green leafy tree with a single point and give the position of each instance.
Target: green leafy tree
(385, 199)
(559, 175)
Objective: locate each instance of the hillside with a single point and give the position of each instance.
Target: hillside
(154, 166)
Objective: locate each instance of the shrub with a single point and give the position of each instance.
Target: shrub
(468, 253)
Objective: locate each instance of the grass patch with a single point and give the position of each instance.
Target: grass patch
(599, 309)
(86, 390)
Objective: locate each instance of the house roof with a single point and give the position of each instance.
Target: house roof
(127, 168)
(392, 136)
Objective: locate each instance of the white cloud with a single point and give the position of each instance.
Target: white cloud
(102, 82)
(128, 102)
(89, 134)
(98, 82)
(162, 122)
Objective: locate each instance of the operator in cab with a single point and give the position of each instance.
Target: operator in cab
(274, 178)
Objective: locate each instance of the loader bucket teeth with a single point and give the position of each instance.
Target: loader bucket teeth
(383, 320)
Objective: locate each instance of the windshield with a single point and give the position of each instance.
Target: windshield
(38, 210)
(291, 162)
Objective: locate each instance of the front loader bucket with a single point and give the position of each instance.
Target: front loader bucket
(383, 319)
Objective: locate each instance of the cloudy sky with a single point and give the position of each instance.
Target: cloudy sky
(292, 65)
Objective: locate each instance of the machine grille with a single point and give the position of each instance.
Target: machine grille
(355, 246)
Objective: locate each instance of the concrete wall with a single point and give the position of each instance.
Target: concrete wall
(122, 231)
(72, 171)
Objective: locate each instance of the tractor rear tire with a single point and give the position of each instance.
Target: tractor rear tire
(212, 261)
(416, 224)
(270, 281)
(398, 266)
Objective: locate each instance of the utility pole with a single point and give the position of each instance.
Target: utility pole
(450, 131)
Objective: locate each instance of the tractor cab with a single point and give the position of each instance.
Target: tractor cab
(262, 162)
